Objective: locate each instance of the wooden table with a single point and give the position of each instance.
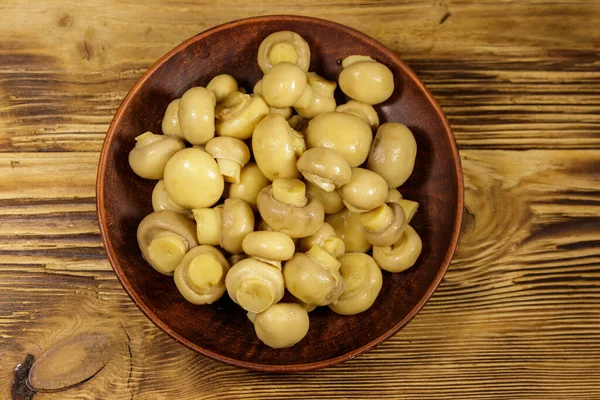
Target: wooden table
(518, 314)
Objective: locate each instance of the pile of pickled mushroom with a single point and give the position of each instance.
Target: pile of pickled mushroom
(281, 198)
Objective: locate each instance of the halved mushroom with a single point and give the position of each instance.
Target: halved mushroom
(151, 154)
(200, 277)
(384, 225)
(251, 182)
(276, 147)
(222, 86)
(393, 153)
(254, 285)
(231, 155)
(347, 134)
(270, 247)
(238, 114)
(237, 221)
(366, 112)
(283, 46)
(286, 208)
(162, 201)
(365, 191)
(362, 284)
(332, 201)
(170, 122)
(324, 168)
(281, 325)
(366, 80)
(314, 277)
(283, 85)
(348, 227)
(208, 225)
(164, 237)
(326, 238)
(197, 115)
(401, 255)
(192, 179)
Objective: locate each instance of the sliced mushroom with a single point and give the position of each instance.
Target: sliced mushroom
(332, 201)
(197, 115)
(200, 277)
(231, 154)
(276, 147)
(252, 181)
(208, 225)
(151, 154)
(366, 112)
(162, 201)
(281, 325)
(283, 46)
(326, 238)
(324, 168)
(286, 208)
(193, 180)
(170, 122)
(347, 134)
(222, 86)
(393, 153)
(362, 284)
(254, 285)
(348, 227)
(283, 85)
(164, 237)
(314, 277)
(238, 114)
(270, 247)
(237, 221)
(384, 225)
(402, 255)
(365, 191)
(366, 80)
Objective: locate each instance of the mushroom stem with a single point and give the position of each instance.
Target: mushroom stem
(298, 143)
(377, 219)
(290, 191)
(166, 252)
(324, 258)
(230, 170)
(204, 272)
(254, 295)
(146, 138)
(335, 246)
(409, 207)
(208, 225)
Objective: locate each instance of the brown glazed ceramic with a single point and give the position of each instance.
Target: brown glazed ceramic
(222, 331)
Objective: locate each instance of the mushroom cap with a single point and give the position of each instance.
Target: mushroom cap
(162, 201)
(393, 153)
(391, 233)
(269, 245)
(170, 122)
(228, 148)
(369, 82)
(239, 113)
(197, 115)
(332, 201)
(401, 255)
(288, 45)
(283, 85)
(365, 191)
(237, 221)
(222, 86)
(151, 154)
(364, 111)
(326, 238)
(325, 168)
(294, 221)
(252, 181)
(282, 325)
(348, 227)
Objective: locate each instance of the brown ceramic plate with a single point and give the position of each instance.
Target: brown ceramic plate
(222, 331)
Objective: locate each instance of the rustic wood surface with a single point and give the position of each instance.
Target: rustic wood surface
(518, 314)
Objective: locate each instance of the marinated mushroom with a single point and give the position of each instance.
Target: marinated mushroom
(401, 255)
(366, 112)
(332, 201)
(347, 134)
(365, 191)
(192, 179)
(164, 237)
(318, 97)
(254, 285)
(324, 168)
(200, 277)
(208, 225)
(237, 221)
(286, 208)
(222, 86)
(408, 206)
(283, 85)
(281, 325)
(251, 182)
(366, 80)
(393, 153)
(162, 201)
(283, 46)
(170, 122)
(276, 147)
(197, 115)
(238, 114)
(362, 284)
(313, 277)
(152, 152)
(348, 227)
(384, 225)
(394, 196)
(326, 238)
(270, 247)
(231, 155)
(285, 111)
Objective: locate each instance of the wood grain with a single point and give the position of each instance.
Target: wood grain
(518, 314)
